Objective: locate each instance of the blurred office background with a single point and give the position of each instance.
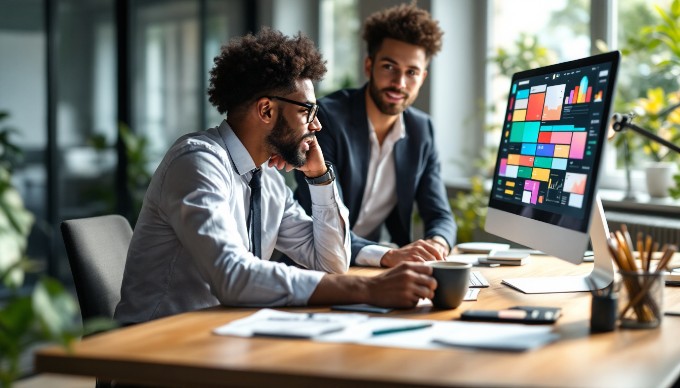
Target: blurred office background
(98, 89)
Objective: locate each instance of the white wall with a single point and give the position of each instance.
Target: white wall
(457, 76)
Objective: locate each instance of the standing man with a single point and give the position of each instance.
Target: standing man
(383, 150)
(215, 209)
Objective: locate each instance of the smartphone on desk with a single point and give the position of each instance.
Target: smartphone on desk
(517, 314)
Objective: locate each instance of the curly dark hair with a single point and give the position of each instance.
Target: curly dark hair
(269, 62)
(406, 23)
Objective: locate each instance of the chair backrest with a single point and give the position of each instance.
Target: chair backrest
(97, 249)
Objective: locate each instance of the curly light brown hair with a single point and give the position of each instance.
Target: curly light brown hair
(253, 66)
(406, 23)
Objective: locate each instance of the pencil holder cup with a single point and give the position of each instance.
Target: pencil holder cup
(641, 300)
(604, 313)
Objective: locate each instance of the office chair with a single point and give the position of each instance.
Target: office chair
(97, 249)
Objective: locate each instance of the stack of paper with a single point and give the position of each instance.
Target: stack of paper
(391, 332)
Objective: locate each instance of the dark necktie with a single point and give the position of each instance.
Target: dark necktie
(255, 214)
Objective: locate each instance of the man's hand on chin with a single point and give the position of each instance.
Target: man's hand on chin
(315, 165)
(277, 161)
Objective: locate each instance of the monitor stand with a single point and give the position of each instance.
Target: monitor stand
(601, 276)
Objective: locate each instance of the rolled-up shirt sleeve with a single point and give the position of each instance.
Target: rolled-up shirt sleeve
(199, 207)
(329, 249)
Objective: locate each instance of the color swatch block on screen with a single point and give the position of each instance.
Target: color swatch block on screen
(519, 115)
(524, 172)
(578, 145)
(544, 137)
(543, 162)
(517, 132)
(530, 194)
(545, 149)
(526, 160)
(575, 200)
(561, 151)
(509, 187)
(535, 108)
(552, 109)
(575, 183)
(559, 164)
(540, 174)
(530, 134)
(561, 138)
(522, 103)
(511, 171)
(528, 149)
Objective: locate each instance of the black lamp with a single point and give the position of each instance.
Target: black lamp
(622, 121)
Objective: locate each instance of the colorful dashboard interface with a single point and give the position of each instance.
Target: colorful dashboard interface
(551, 142)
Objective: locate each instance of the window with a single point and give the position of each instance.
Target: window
(554, 31)
(638, 74)
(339, 41)
(166, 48)
(565, 29)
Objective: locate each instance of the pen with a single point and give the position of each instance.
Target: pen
(390, 330)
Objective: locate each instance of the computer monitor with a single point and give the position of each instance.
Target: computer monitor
(543, 194)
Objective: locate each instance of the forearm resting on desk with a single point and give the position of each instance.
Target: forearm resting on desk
(402, 287)
(417, 251)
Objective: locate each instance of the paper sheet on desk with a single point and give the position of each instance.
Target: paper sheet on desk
(442, 334)
(288, 323)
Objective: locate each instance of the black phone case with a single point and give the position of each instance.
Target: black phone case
(535, 315)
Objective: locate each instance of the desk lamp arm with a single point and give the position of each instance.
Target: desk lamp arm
(623, 121)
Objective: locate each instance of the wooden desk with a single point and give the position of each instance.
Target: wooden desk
(181, 351)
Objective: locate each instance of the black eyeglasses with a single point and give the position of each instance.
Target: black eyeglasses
(312, 109)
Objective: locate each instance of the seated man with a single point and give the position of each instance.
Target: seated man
(383, 150)
(215, 209)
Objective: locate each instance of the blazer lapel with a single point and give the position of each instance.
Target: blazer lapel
(360, 147)
(404, 165)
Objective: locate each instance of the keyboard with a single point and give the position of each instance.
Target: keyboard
(477, 280)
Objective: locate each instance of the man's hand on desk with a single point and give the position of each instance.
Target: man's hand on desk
(400, 287)
(418, 251)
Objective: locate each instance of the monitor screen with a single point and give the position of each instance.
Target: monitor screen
(551, 145)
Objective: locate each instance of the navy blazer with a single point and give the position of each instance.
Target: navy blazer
(344, 140)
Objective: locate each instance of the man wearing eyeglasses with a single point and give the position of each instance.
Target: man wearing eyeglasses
(216, 209)
(383, 150)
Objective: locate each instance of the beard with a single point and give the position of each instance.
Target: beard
(283, 141)
(385, 107)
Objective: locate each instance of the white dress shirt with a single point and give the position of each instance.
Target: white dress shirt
(191, 248)
(380, 193)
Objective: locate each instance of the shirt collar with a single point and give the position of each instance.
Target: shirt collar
(240, 157)
(398, 130)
